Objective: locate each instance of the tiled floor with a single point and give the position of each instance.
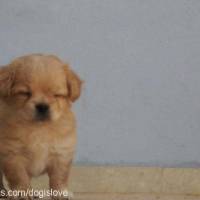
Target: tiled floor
(94, 196)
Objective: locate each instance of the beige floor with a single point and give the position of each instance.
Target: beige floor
(96, 196)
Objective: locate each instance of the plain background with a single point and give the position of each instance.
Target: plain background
(140, 60)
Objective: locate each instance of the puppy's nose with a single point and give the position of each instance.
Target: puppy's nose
(42, 110)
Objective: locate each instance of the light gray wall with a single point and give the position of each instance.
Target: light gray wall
(140, 60)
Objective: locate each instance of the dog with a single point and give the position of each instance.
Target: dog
(37, 125)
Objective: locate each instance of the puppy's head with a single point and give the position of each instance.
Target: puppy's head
(38, 87)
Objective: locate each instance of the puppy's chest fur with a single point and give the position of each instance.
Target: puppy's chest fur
(44, 152)
(41, 147)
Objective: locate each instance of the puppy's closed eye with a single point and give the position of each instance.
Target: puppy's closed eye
(60, 95)
(23, 93)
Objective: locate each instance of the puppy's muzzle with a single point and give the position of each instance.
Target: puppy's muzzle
(42, 111)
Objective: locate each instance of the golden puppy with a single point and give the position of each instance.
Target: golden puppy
(37, 126)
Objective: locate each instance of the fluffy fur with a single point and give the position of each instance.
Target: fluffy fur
(32, 145)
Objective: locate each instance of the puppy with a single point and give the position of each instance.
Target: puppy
(37, 126)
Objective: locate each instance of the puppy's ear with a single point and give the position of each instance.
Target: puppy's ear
(6, 80)
(73, 84)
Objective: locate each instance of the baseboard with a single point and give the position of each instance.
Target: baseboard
(91, 179)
